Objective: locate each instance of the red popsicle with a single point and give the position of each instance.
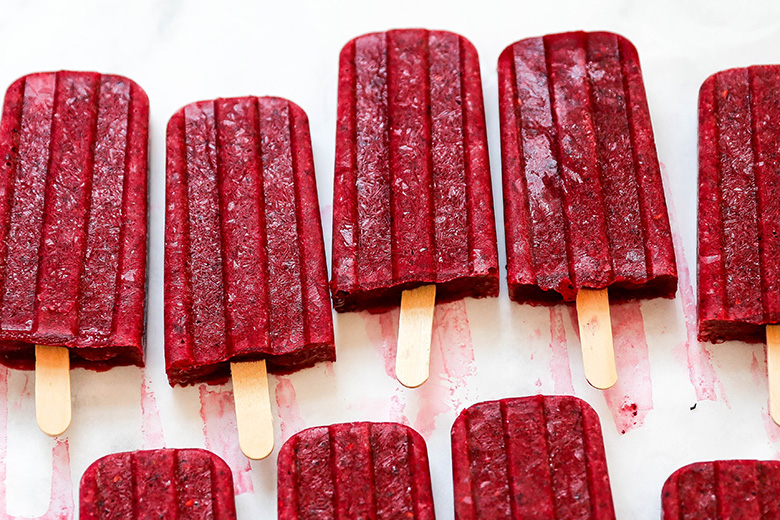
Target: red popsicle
(245, 274)
(412, 210)
(174, 484)
(539, 457)
(73, 184)
(355, 470)
(584, 206)
(723, 490)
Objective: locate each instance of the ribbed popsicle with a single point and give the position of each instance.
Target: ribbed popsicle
(245, 274)
(412, 195)
(355, 470)
(739, 208)
(539, 457)
(73, 224)
(175, 484)
(723, 490)
(583, 200)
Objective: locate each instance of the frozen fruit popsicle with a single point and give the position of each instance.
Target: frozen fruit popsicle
(412, 210)
(245, 274)
(175, 484)
(73, 183)
(355, 470)
(583, 200)
(539, 457)
(723, 490)
(739, 271)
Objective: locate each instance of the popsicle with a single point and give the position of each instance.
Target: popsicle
(584, 209)
(245, 275)
(412, 213)
(73, 183)
(175, 484)
(355, 470)
(739, 273)
(723, 490)
(539, 457)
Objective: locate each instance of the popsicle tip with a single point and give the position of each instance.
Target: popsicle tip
(412, 379)
(257, 448)
(52, 389)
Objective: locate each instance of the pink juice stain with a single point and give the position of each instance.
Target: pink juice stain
(151, 426)
(290, 419)
(758, 373)
(559, 364)
(631, 399)
(221, 435)
(382, 331)
(700, 368)
(61, 504)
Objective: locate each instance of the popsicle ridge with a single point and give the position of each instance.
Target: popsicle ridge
(412, 198)
(723, 489)
(243, 279)
(582, 187)
(178, 484)
(739, 275)
(355, 470)
(73, 223)
(539, 457)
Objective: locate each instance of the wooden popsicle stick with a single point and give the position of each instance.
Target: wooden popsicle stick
(253, 408)
(52, 389)
(598, 353)
(773, 370)
(415, 327)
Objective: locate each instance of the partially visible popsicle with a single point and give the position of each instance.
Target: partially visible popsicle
(539, 457)
(584, 206)
(739, 212)
(174, 484)
(73, 198)
(412, 211)
(723, 490)
(245, 274)
(355, 470)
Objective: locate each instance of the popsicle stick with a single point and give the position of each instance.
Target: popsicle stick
(415, 327)
(598, 353)
(773, 370)
(52, 389)
(253, 408)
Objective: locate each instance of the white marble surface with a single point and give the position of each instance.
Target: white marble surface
(181, 52)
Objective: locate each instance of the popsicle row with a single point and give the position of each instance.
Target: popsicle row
(246, 285)
(538, 457)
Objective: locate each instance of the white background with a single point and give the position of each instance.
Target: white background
(180, 52)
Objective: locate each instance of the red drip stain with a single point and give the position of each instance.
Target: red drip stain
(452, 366)
(151, 426)
(61, 504)
(328, 370)
(382, 330)
(759, 376)
(631, 398)
(701, 371)
(559, 364)
(398, 409)
(219, 428)
(290, 418)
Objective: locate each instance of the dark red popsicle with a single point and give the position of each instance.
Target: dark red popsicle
(245, 274)
(412, 195)
(355, 470)
(73, 199)
(723, 490)
(538, 458)
(171, 484)
(584, 204)
(739, 206)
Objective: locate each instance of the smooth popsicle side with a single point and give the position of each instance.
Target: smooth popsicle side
(584, 205)
(739, 212)
(539, 457)
(723, 490)
(73, 229)
(245, 276)
(412, 194)
(174, 484)
(355, 470)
